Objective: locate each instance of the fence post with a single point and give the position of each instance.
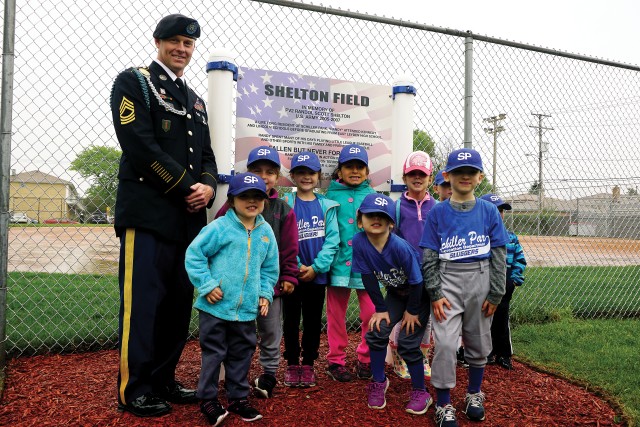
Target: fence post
(402, 130)
(468, 89)
(222, 73)
(6, 107)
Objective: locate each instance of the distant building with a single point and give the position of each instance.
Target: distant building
(42, 196)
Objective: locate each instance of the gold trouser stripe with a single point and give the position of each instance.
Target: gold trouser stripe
(130, 238)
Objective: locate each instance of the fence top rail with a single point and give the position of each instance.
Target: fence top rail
(448, 31)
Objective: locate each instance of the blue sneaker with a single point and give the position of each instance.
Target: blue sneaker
(474, 406)
(446, 416)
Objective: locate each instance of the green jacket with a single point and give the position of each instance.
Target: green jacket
(349, 199)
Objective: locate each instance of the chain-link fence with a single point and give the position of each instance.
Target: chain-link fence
(558, 135)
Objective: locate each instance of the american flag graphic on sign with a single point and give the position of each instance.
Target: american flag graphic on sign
(294, 113)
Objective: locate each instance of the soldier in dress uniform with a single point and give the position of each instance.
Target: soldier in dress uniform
(167, 178)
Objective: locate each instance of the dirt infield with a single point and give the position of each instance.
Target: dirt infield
(91, 249)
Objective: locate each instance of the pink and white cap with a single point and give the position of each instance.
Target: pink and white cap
(418, 160)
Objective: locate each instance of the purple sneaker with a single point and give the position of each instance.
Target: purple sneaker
(292, 376)
(375, 394)
(419, 402)
(307, 376)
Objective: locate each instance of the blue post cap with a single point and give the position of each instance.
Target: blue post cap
(464, 157)
(379, 203)
(264, 152)
(306, 159)
(244, 182)
(353, 152)
(496, 200)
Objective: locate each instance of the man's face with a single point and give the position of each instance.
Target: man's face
(175, 52)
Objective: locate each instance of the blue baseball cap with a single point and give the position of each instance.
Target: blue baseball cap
(439, 179)
(306, 159)
(245, 182)
(264, 152)
(353, 152)
(380, 203)
(496, 200)
(464, 157)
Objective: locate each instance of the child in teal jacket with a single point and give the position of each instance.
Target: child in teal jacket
(233, 264)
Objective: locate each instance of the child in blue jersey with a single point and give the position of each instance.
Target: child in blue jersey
(381, 257)
(233, 264)
(441, 187)
(516, 263)
(318, 241)
(464, 266)
(349, 188)
(412, 208)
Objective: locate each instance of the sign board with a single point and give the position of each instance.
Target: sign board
(295, 113)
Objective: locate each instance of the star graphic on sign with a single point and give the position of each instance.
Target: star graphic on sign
(266, 78)
(267, 102)
(241, 72)
(299, 120)
(283, 112)
(245, 91)
(253, 113)
(312, 85)
(254, 88)
(292, 80)
(296, 101)
(258, 110)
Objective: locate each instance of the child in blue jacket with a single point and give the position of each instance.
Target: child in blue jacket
(516, 263)
(233, 264)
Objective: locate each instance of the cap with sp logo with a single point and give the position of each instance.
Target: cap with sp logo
(177, 25)
(264, 152)
(353, 152)
(244, 182)
(379, 203)
(306, 159)
(464, 157)
(496, 200)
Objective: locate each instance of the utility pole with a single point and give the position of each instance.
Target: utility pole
(542, 148)
(495, 130)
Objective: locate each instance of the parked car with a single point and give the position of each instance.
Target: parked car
(21, 218)
(59, 221)
(98, 218)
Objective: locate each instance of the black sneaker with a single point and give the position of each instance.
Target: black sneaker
(446, 416)
(504, 362)
(339, 373)
(460, 358)
(243, 408)
(213, 410)
(264, 385)
(363, 370)
(474, 406)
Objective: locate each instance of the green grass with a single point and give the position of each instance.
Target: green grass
(584, 292)
(601, 354)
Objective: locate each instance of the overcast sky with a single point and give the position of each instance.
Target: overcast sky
(604, 29)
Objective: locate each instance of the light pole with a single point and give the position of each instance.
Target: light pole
(495, 130)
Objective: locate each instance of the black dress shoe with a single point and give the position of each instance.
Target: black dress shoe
(177, 393)
(504, 362)
(146, 405)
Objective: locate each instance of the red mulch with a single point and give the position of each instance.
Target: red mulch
(79, 390)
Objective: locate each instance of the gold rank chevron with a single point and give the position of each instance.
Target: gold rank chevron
(127, 112)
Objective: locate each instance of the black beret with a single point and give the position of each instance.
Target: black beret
(174, 25)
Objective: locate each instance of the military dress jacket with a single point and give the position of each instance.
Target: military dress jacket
(166, 148)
